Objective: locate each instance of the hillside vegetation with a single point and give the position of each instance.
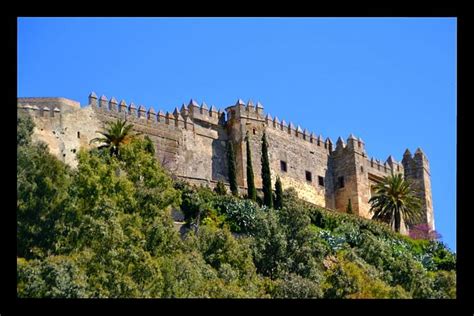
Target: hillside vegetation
(104, 230)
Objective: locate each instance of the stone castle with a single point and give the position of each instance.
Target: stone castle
(191, 143)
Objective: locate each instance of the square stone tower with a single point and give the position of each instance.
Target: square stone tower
(417, 171)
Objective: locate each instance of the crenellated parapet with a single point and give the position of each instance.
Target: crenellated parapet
(298, 132)
(390, 165)
(184, 117)
(354, 145)
(203, 113)
(249, 111)
(180, 119)
(46, 107)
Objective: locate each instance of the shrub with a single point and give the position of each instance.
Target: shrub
(196, 201)
(240, 214)
(220, 188)
(347, 279)
(443, 259)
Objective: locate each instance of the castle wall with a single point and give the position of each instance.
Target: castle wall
(246, 122)
(65, 126)
(191, 148)
(301, 152)
(300, 155)
(375, 170)
(344, 170)
(192, 144)
(163, 131)
(204, 153)
(359, 173)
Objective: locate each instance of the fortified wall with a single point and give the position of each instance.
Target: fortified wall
(191, 143)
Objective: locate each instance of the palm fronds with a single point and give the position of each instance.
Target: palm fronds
(116, 134)
(394, 201)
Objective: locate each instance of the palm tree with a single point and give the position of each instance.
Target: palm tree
(395, 201)
(115, 135)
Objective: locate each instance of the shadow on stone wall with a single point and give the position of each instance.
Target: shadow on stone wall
(219, 161)
(329, 189)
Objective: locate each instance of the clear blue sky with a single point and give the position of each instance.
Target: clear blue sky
(390, 81)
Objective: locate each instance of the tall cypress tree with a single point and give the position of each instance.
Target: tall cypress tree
(251, 191)
(232, 172)
(266, 178)
(349, 207)
(279, 194)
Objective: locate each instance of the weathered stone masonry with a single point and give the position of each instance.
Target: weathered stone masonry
(191, 143)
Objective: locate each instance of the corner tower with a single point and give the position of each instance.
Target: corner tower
(417, 171)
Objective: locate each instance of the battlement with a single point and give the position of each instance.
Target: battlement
(139, 115)
(203, 113)
(185, 117)
(241, 111)
(256, 113)
(46, 107)
(387, 167)
(299, 133)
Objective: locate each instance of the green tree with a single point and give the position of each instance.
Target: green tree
(232, 168)
(42, 194)
(305, 249)
(54, 277)
(154, 185)
(186, 275)
(122, 223)
(219, 247)
(251, 191)
(349, 207)
(270, 244)
(24, 129)
(115, 135)
(395, 201)
(278, 194)
(266, 176)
